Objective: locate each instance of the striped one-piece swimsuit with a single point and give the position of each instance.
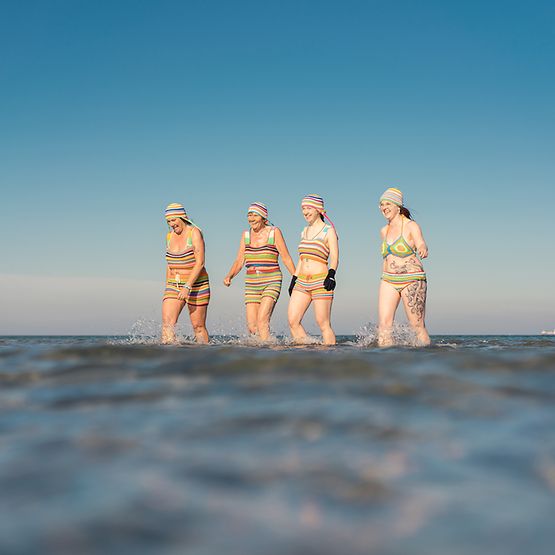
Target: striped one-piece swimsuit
(401, 249)
(185, 260)
(263, 277)
(314, 249)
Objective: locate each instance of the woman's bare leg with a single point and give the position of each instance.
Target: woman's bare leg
(298, 305)
(252, 317)
(198, 321)
(414, 301)
(171, 309)
(265, 310)
(322, 313)
(388, 301)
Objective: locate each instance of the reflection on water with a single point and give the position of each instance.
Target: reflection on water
(119, 445)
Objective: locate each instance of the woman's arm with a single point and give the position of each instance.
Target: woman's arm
(419, 243)
(237, 265)
(333, 244)
(198, 249)
(284, 252)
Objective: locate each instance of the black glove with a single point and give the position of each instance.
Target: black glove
(329, 282)
(292, 284)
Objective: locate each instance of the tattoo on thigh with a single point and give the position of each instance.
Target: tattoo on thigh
(416, 298)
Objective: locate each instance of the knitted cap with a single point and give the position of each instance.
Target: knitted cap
(258, 208)
(313, 201)
(175, 210)
(392, 195)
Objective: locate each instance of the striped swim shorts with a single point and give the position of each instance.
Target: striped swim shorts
(261, 283)
(313, 285)
(200, 291)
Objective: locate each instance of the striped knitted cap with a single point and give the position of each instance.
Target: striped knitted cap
(313, 201)
(258, 208)
(175, 210)
(392, 195)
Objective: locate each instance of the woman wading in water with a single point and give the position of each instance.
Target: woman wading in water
(403, 274)
(314, 279)
(186, 277)
(259, 250)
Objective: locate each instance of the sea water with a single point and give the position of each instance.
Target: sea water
(120, 445)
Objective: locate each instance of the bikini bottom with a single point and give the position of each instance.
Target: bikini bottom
(400, 281)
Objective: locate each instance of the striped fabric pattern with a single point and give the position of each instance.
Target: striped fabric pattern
(259, 284)
(175, 210)
(400, 281)
(263, 278)
(185, 261)
(314, 201)
(200, 291)
(263, 257)
(316, 248)
(313, 286)
(259, 208)
(392, 195)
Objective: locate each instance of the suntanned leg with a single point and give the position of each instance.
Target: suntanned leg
(298, 305)
(388, 301)
(414, 301)
(265, 310)
(322, 313)
(198, 321)
(252, 317)
(171, 309)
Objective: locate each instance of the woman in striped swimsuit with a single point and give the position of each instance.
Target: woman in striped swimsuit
(403, 274)
(259, 251)
(186, 278)
(314, 279)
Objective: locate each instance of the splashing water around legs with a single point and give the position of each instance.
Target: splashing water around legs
(399, 335)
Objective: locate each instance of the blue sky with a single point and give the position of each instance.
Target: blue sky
(111, 110)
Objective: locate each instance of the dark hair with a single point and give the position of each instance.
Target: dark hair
(405, 212)
(322, 217)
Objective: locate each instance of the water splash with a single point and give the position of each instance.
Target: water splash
(403, 336)
(148, 332)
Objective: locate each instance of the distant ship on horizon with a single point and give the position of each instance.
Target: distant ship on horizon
(548, 332)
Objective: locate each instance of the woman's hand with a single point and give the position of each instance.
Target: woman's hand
(422, 250)
(292, 284)
(227, 281)
(329, 282)
(183, 295)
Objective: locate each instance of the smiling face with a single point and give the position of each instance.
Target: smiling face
(389, 210)
(310, 214)
(256, 221)
(177, 225)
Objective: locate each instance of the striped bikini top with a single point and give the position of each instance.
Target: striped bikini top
(315, 248)
(264, 257)
(399, 248)
(184, 259)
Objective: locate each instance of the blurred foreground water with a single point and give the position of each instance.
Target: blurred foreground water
(111, 446)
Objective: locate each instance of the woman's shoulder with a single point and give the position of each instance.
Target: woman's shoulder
(411, 225)
(196, 232)
(329, 230)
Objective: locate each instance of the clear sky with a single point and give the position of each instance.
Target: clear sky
(110, 110)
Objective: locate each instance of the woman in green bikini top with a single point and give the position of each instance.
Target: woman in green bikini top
(403, 275)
